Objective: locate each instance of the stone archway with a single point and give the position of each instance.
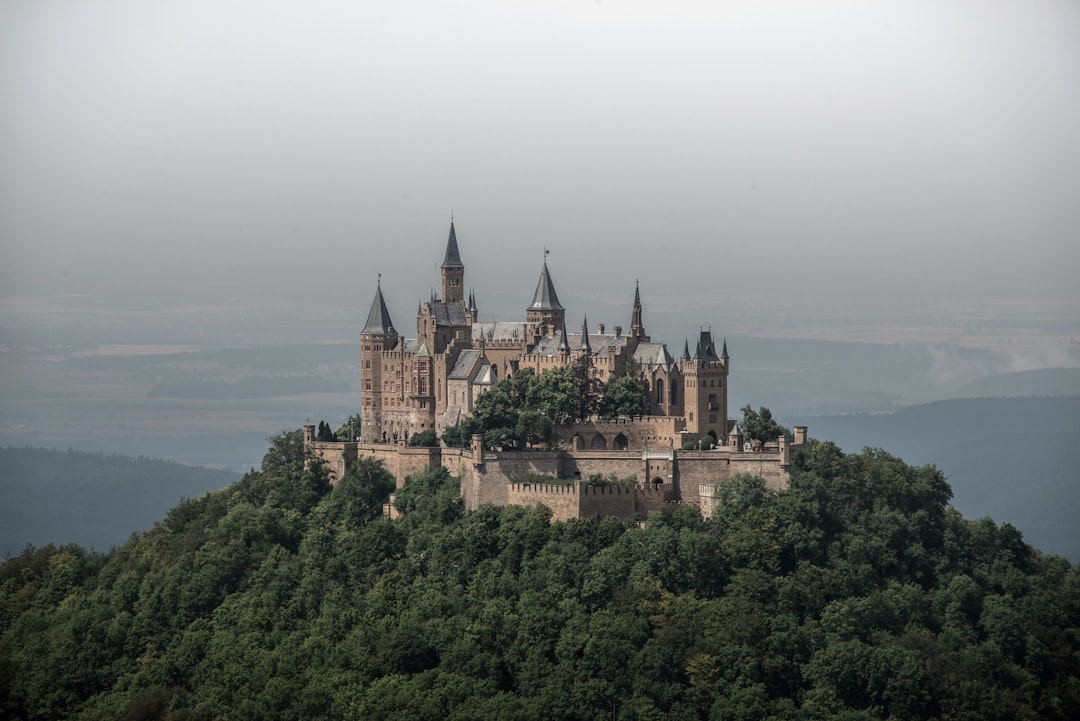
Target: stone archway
(599, 443)
(712, 434)
(621, 443)
(657, 482)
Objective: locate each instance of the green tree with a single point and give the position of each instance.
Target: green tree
(351, 429)
(624, 395)
(534, 428)
(555, 394)
(760, 425)
(425, 439)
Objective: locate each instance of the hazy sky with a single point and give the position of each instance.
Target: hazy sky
(294, 149)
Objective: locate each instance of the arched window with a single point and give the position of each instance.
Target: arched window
(621, 442)
(599, 443)
(674, 392)
(660, 391)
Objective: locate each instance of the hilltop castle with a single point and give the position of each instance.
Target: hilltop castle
(430, 382)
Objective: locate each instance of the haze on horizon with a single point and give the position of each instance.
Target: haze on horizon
(864, 151)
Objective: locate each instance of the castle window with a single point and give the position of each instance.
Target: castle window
(674, 392)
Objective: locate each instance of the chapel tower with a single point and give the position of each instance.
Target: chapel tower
(545, 309)
(453, 271)
(705, 389)
(377, 336)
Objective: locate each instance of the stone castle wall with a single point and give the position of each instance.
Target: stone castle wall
(663, 476)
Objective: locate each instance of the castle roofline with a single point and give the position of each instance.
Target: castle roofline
(545, 297)
(378, 320)
(453, 256)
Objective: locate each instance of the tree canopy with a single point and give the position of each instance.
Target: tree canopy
(760, 425)
(858, 594)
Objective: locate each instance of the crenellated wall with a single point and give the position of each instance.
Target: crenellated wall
(663, 476)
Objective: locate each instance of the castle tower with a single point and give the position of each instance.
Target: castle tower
(471, 311)
(453, 271)
(377, 337)
(545, 309)
(637, 327)
(705, 389)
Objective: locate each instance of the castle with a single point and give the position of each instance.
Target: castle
(430, 382)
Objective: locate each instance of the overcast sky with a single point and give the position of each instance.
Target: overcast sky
(192, 149)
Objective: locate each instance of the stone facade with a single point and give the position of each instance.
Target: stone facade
(431, 382)
(661, 477)
(411, 385)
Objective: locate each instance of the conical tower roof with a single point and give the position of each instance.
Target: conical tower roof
(585, 335)
(545, 297)
(378, 319)
(564, 344)
(723, 353)
(453, 256)
(686, 350)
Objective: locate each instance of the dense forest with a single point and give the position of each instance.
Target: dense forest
(860, 593)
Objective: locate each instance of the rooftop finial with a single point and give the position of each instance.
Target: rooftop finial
(546, 251)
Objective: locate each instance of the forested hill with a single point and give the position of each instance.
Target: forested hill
(93, 499)
(858, 594)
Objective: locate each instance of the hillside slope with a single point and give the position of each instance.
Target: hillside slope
(858, 594)
(1012, 459)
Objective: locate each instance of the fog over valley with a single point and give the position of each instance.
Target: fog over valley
(874, 203)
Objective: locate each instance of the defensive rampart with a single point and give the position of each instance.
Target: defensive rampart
(660, 476)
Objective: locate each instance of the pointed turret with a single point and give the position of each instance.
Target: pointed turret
(545, 297)
(564, 344)
(545, 309)
(453, 270)
(637, 326)
(686, 350)
(585, 336)
(453, 256)
(723, 353)
(378, 320)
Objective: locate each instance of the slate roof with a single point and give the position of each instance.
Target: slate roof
(598, 344)
(453, 257)
(653, 354)
(486, 377)
(449, 314)
(466, 362)
(378, 320)
(501, 330)
(545, 297)
(706, 349)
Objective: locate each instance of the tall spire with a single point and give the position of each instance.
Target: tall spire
(545, 297)
(453, 256)
(637, 327)
(378, 320)
(564, 344)
(585, 335)
(723, 353)
(686, 349)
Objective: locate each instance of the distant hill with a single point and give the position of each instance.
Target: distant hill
(1011, 459)
(95, 500)
(1044, 382)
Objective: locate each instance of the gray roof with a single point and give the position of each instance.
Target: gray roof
(653, 354)
(706, 348)
(449, 314)
(499, 331)
(378, 320)
(545, 297)
(598, 344)
(453, 257)
(466, 362)
(487, 376)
